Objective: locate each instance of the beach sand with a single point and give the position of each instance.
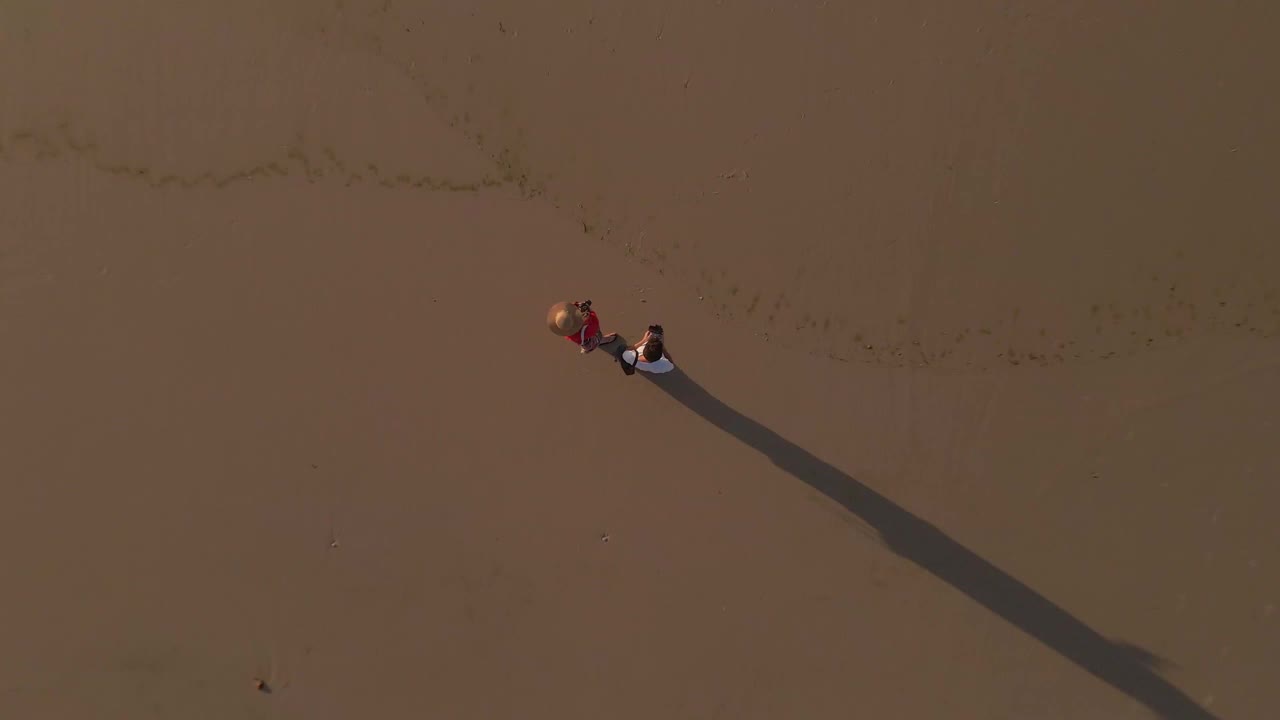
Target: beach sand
(975, 307)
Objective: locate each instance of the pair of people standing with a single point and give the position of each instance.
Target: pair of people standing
(579, 324)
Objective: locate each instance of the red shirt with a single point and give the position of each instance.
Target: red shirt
(589, 330)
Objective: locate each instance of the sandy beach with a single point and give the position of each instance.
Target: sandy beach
(975, 308)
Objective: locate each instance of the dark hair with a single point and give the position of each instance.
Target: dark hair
(653, 351)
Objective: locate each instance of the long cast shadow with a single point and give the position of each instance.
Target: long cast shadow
(1126, 668)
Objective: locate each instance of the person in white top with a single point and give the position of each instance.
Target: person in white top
(650, 354)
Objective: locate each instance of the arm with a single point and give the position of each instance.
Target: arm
(588, 335)
(636, 348)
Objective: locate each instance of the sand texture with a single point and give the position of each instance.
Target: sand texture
(975, 306)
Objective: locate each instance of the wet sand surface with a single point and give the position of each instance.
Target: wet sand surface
(975, 305)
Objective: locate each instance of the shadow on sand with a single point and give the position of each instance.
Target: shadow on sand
(1128, 669)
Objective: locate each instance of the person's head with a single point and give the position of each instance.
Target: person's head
(653, 351)
(566, 318)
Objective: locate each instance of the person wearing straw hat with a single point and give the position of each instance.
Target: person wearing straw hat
(578, 323)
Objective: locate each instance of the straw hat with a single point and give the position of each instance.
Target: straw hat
(564, 319)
